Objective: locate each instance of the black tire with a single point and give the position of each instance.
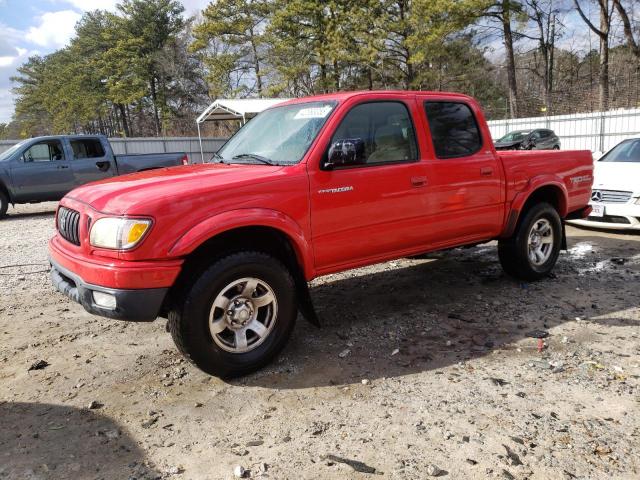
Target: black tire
(4, 204)
(557, 147)
(514, 252)
(189, 320)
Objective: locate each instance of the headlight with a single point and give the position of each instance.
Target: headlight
(118, 233)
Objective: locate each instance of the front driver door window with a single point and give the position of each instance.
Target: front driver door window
(43, 172)
(385, 128)
(374, 209)
(48, 151)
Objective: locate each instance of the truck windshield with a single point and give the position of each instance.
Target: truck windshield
(277, 136)
(7, 153)
(627, 151)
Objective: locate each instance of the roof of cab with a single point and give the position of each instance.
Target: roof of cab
(60, 137)
(341, 96)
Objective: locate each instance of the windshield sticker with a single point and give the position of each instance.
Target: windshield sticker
(313, 112)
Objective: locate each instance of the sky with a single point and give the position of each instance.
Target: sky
(39, 27)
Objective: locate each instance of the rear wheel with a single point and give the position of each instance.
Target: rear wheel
(533, 250)
(4, 204)
(237, 315)
(556, 147)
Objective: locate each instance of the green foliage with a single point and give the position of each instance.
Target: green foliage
(233, 45)
(148, 70)
(113, 77)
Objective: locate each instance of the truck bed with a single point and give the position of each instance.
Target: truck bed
(148, 161)
(571, 170)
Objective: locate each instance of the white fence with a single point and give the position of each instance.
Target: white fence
(597, 131)
(132, 146)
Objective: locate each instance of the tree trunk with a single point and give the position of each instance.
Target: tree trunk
(125, 123)
(256, 64)
(323, 76)
(129, 121)
(511, 62)
(628, 28)
(410, 73)
(552, 50)
(154, 100)
(603, 34)
(603, 78)
(604, 58)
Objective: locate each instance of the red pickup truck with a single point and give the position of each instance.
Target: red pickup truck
(310, 187)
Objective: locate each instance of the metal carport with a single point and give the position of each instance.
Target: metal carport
(234, 109)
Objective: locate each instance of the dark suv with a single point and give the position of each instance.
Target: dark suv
(538, 139)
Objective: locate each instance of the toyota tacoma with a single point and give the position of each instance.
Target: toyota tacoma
(310, 187)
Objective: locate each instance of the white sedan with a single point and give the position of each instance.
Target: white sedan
(615, 197)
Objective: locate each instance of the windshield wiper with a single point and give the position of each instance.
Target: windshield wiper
(254, 156)
(218, 157)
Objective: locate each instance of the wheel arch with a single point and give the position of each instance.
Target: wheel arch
(258, 229)
(264, 230)
(553, 192)
(6, 191)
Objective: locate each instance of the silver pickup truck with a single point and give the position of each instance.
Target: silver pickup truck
(45, 169)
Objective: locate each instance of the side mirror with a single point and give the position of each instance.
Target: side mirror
(344, 153)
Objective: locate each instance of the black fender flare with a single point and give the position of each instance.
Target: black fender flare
(6, 191)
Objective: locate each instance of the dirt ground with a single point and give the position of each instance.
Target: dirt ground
(422, 368)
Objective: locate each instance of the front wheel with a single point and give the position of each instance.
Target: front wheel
(237, 315)
(533, 250)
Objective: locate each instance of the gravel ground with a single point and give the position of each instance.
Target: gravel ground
(422, 368)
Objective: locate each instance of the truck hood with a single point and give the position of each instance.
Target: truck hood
(623, 176)
(127, 193)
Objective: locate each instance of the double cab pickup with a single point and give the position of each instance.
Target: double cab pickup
(42, 169)
(309, 187)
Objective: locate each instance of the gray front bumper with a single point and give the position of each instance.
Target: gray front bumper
(141, 305)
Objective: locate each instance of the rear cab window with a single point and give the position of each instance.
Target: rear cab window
(87, 148)
(454, 129)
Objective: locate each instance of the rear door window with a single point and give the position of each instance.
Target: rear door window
(87, 148)
(454, 129)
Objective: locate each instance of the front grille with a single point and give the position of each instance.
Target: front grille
(68, 225)
(610, 196)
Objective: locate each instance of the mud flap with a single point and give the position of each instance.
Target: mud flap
(564, 238)
(305, 303)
